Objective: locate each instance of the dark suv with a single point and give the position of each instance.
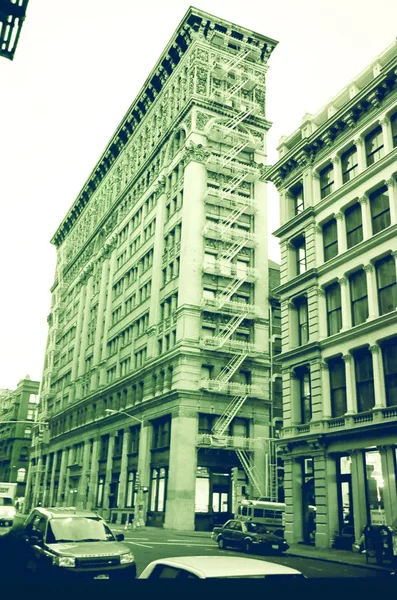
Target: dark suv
(68, 543)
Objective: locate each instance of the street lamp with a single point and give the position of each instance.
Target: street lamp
(139, 517)
(111, 411)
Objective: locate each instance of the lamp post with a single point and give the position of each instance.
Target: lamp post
(141, 489)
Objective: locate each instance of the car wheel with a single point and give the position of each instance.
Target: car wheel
(221, 543)
(247, 546)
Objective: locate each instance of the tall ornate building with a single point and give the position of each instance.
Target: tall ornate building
(18, 413)
(336, 176)
(160, 303)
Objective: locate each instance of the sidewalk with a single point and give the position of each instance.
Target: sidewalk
(344, 557)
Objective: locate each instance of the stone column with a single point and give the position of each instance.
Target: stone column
(108, 477)
(157, 269)
(326, 495)
(341, 232)
(45, 491)
(293, 500)
(392, 188)
(373, 309)
(319, 245)
(108, 314)
(84, 328)
(307, 182)
(93, 483)
(296, 416)
(358, 491)
(337, 172)
(182, 473)
(366, 217)
(379, 387)
(192, 243)
(62, 475)
(67, 485)
(389, 489)
(101, 308)
(384, 122)
(326, 391)
(37, 480)
(345, 300)
(144, 457)
(51, 499)
(361, 158)
(351, 396)
(316, 188)
(261, 457)
(82, 488)
(124, 468)
(77, 341)
(322, 314)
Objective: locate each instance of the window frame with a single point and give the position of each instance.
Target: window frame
(356, 302)
(383, 215)
(337, 367)
(353, 229)
(337, 309)
(326, 185)
(328, 254)
(390, 287)
(373, 155)
(364, 385)
(349, 172)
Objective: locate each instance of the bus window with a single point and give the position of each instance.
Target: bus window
(258, 513)
(244, 511)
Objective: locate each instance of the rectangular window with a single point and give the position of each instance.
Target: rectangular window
(380, 209)
(349, 164)
(393, 123)
(386, 279)
(305, 395)
(364, 380)
(389, 355)
(303, 329)
(354, 225)
(296, 193)
(374, 148)
(374, 488)
(359, 297)
(300, 251)
(337, 379)
(330, 239)
(334, 308)
(326, 181)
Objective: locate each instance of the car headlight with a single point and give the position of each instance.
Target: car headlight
(64, 561)
(126, 558)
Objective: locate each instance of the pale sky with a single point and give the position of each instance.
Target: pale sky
(79, 65)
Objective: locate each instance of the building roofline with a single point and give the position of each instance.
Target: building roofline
(193, 21)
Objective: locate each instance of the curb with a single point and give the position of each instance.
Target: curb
(343, 562)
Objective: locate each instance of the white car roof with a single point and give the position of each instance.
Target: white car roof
(225, 566)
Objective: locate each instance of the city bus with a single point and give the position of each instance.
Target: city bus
(269, 513)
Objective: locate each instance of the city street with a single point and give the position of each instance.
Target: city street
(150, 544)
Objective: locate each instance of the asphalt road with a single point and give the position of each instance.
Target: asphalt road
(149, 544)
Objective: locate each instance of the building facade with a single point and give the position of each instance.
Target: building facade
(336, 177)
(157, 373)
(18, 413)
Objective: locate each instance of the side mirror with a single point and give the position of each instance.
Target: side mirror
(120, 537)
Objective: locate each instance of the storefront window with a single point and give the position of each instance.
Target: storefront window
(374, 487)
(345, 493)
(101, 483)
(308, 501)
(130, 489)
(202, 490)
(158, 490)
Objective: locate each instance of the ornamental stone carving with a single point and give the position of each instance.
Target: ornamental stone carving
(369, 268)
(374, 349)
(196, 152)
(202, 120)
(391, 183)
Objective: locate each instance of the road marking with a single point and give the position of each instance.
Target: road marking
(137, 544)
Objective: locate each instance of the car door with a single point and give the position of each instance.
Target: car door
(228, 533)
(36, 531)
(238, 533)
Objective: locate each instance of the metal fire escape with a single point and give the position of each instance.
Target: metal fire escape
(234, 170)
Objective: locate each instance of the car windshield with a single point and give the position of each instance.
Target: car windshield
(78, 529)
(256, 528)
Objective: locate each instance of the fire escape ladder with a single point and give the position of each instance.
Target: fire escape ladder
(232, 251)
(222, 424)
(232, 153)
(231, 328)
(229, 370)
(250, 471)
(228, 292)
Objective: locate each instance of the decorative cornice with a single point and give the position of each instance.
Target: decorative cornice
(195, 24)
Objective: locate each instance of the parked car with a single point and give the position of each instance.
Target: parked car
(248, 535)
(67, 543)
(218, 567)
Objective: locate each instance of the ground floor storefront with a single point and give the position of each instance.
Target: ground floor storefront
(156, 473)
(336, 486)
